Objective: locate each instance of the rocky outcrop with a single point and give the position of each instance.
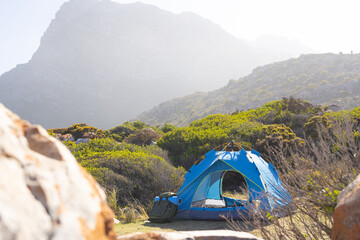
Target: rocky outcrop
(347, 213)
(44, 193)
(192, 235)
(82, 140)
(65, 137)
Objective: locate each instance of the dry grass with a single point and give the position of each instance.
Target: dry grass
(295, 226)
(132, 214)
(314, 176)
(237, 195)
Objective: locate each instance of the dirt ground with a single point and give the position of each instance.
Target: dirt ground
(185, 225)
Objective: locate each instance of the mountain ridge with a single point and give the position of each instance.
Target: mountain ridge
(319, 78)
(103, 63)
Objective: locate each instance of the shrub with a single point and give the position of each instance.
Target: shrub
(292, 112)
(143, 137)
(311, 128)
(135, 173)
(78, 130)
(120, 132)
(168, 128)
(273, 136)
(186, 145)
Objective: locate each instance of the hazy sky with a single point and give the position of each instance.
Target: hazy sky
(323, 25)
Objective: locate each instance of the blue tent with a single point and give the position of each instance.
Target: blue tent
(200, 196)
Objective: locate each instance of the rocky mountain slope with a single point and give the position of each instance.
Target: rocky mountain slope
(318, 78)
(103, 62)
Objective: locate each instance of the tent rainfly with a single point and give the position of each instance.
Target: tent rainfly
(200, 196)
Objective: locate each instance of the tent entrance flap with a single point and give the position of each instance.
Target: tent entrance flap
(209, 191)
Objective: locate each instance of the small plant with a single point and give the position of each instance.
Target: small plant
(132, 213)
(112, 202)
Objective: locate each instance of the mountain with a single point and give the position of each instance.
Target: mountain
(319, 78)
(102, 63)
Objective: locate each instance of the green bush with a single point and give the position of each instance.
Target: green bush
(136, 173)
(120, 132)
(168, 128)
(292, 112)
(78, 130)
(311, 127)
(186, 145)
(143, 137)
(273, 136)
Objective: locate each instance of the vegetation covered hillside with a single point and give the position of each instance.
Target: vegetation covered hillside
(316, 150)
(319, 78)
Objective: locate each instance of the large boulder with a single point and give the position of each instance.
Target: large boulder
(347, 213)
(44, 193)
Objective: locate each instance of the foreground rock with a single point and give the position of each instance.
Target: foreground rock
(44, 193)
(191, 235)
(347, 213)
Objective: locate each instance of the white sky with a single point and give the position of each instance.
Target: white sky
(322, 25)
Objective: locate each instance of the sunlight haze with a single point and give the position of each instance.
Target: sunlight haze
(323, 26)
